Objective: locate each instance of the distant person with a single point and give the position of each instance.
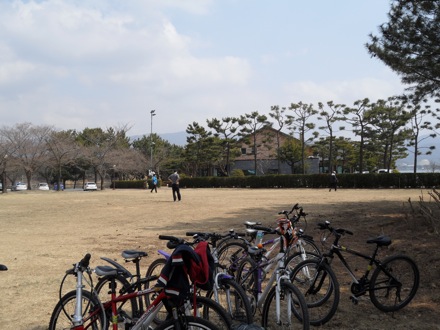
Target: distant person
(333, 181)
(174, 178)
(154, 183)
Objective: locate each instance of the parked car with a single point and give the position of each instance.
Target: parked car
(43, 186)
(90, 186)
(19, 186)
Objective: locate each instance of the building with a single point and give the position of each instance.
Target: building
(264, 149)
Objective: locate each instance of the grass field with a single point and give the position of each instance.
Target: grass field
(43, 233)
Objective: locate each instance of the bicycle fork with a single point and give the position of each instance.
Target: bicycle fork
(77, 318)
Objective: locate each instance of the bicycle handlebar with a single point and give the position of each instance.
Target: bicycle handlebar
(337, 231)
(85, 262)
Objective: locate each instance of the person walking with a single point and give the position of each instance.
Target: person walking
(333, 181)
(174, 178)
(154, 183)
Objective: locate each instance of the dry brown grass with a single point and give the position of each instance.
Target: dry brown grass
(44, 233)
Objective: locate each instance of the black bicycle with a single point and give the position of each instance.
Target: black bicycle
(392, 285)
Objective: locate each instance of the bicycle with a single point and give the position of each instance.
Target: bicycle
(392, 285)
(81, 309)
(225, 290)
(283, 305)
(235, 248)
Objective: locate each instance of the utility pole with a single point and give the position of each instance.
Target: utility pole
(152, 113)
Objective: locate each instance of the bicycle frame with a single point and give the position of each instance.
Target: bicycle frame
(146, 318)
(280, 273)
(337, 249)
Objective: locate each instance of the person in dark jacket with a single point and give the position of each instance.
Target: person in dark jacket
(333, 181)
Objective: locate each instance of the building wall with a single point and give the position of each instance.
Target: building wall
(266, 155)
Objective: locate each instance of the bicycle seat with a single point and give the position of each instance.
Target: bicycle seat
(133, 254)
(380, 240)
(251, 223)
(106, 271)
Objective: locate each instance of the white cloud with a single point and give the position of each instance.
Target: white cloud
(97, 63)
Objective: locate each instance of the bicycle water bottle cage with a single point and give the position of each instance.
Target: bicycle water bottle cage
(380, 240)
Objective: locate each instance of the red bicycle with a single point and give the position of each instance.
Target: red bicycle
(81, 309)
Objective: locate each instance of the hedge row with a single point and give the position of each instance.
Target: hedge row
(388, 180)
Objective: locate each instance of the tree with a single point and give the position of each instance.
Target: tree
(62, 150)
(250, 124)
(291, 153)
(410, 44)
(163, 151)
(357, 117)
(203, 150)
(277, 113)
(330, 117)
(227, 131)
(389, 119)
(98, 145)
(300, 122)
(29, 145)
(418, 123)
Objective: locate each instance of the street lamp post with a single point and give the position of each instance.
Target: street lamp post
(152, 113)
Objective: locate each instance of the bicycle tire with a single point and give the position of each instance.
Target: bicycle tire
(319, 285)
(128, 309)
(212, 311)
(294, 259)
(293, 309)
(61, 317)
(247, 278)
(189, 322)
(230, 255)
(155, 268)
(403, 269)
(309, 245)
(237, 306)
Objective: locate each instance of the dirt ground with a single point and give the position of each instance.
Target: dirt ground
(43, 233)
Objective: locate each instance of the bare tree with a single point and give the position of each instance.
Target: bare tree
(29, 145)
(63, 150)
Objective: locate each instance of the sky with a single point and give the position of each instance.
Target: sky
(76, 64)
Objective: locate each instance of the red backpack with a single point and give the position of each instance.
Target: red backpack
(201, 273)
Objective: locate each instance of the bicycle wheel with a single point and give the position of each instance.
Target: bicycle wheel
(155, 269)
(233, 299)
(212, 311)
(319, 285)
(293, 260)
(293, 312)
(92, 313)
(230, 254)
(394, 284)
(187, 322)
(306, 244)
(247, 278)
(127, 310)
